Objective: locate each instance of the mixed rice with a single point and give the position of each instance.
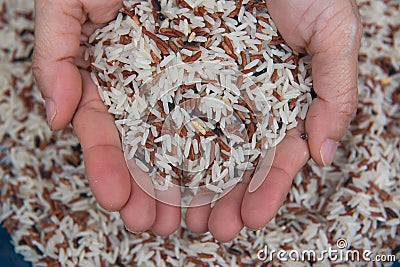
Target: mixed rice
(200, 90)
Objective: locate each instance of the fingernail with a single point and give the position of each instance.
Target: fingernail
(328, 151)
(50, 111)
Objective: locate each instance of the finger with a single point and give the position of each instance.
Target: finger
(334, 51)
(330, 31)
(101, 11)
(57, 38)
(80, 61)
(168, 211)
(139, 213)
(225, 220)
(263, 168)
(88, 28)
(198, 213)
(104, 162)
(260, 206)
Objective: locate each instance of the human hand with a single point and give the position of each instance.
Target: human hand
(70, 95)
(330, 32)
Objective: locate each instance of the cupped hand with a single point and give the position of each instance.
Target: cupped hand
(70, 95)
(330, 32)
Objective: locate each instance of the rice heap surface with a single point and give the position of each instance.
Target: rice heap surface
(200, 90)
(47, 207)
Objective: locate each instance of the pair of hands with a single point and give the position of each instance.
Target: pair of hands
(330, 31)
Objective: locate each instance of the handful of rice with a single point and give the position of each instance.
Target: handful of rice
(201, 90)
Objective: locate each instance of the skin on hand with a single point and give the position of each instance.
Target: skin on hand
(71, 96)
(330, 32)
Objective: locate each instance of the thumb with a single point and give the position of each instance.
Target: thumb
(334, 50)
(58, 27)
(57, 33)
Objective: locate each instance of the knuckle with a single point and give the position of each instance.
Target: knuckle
(91, 106)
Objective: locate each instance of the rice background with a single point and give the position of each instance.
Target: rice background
(54, 220)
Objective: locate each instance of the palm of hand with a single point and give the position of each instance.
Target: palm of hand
(314, 28)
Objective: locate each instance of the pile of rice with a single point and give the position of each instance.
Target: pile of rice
(200, 90)
(47, 206)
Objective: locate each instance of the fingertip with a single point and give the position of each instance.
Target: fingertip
(328, 151)
(167, 220)
(254, 216)
(198, 212)
(108, 200)
(197, 219)
(108, 180)
(260, 206)
(139, 225)
(222, 229)
(61, 87)
(51, 111)
(325, 127)
(111, 206)
(103, 12)
(139, 213)
(225, 220)
(168, 210)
